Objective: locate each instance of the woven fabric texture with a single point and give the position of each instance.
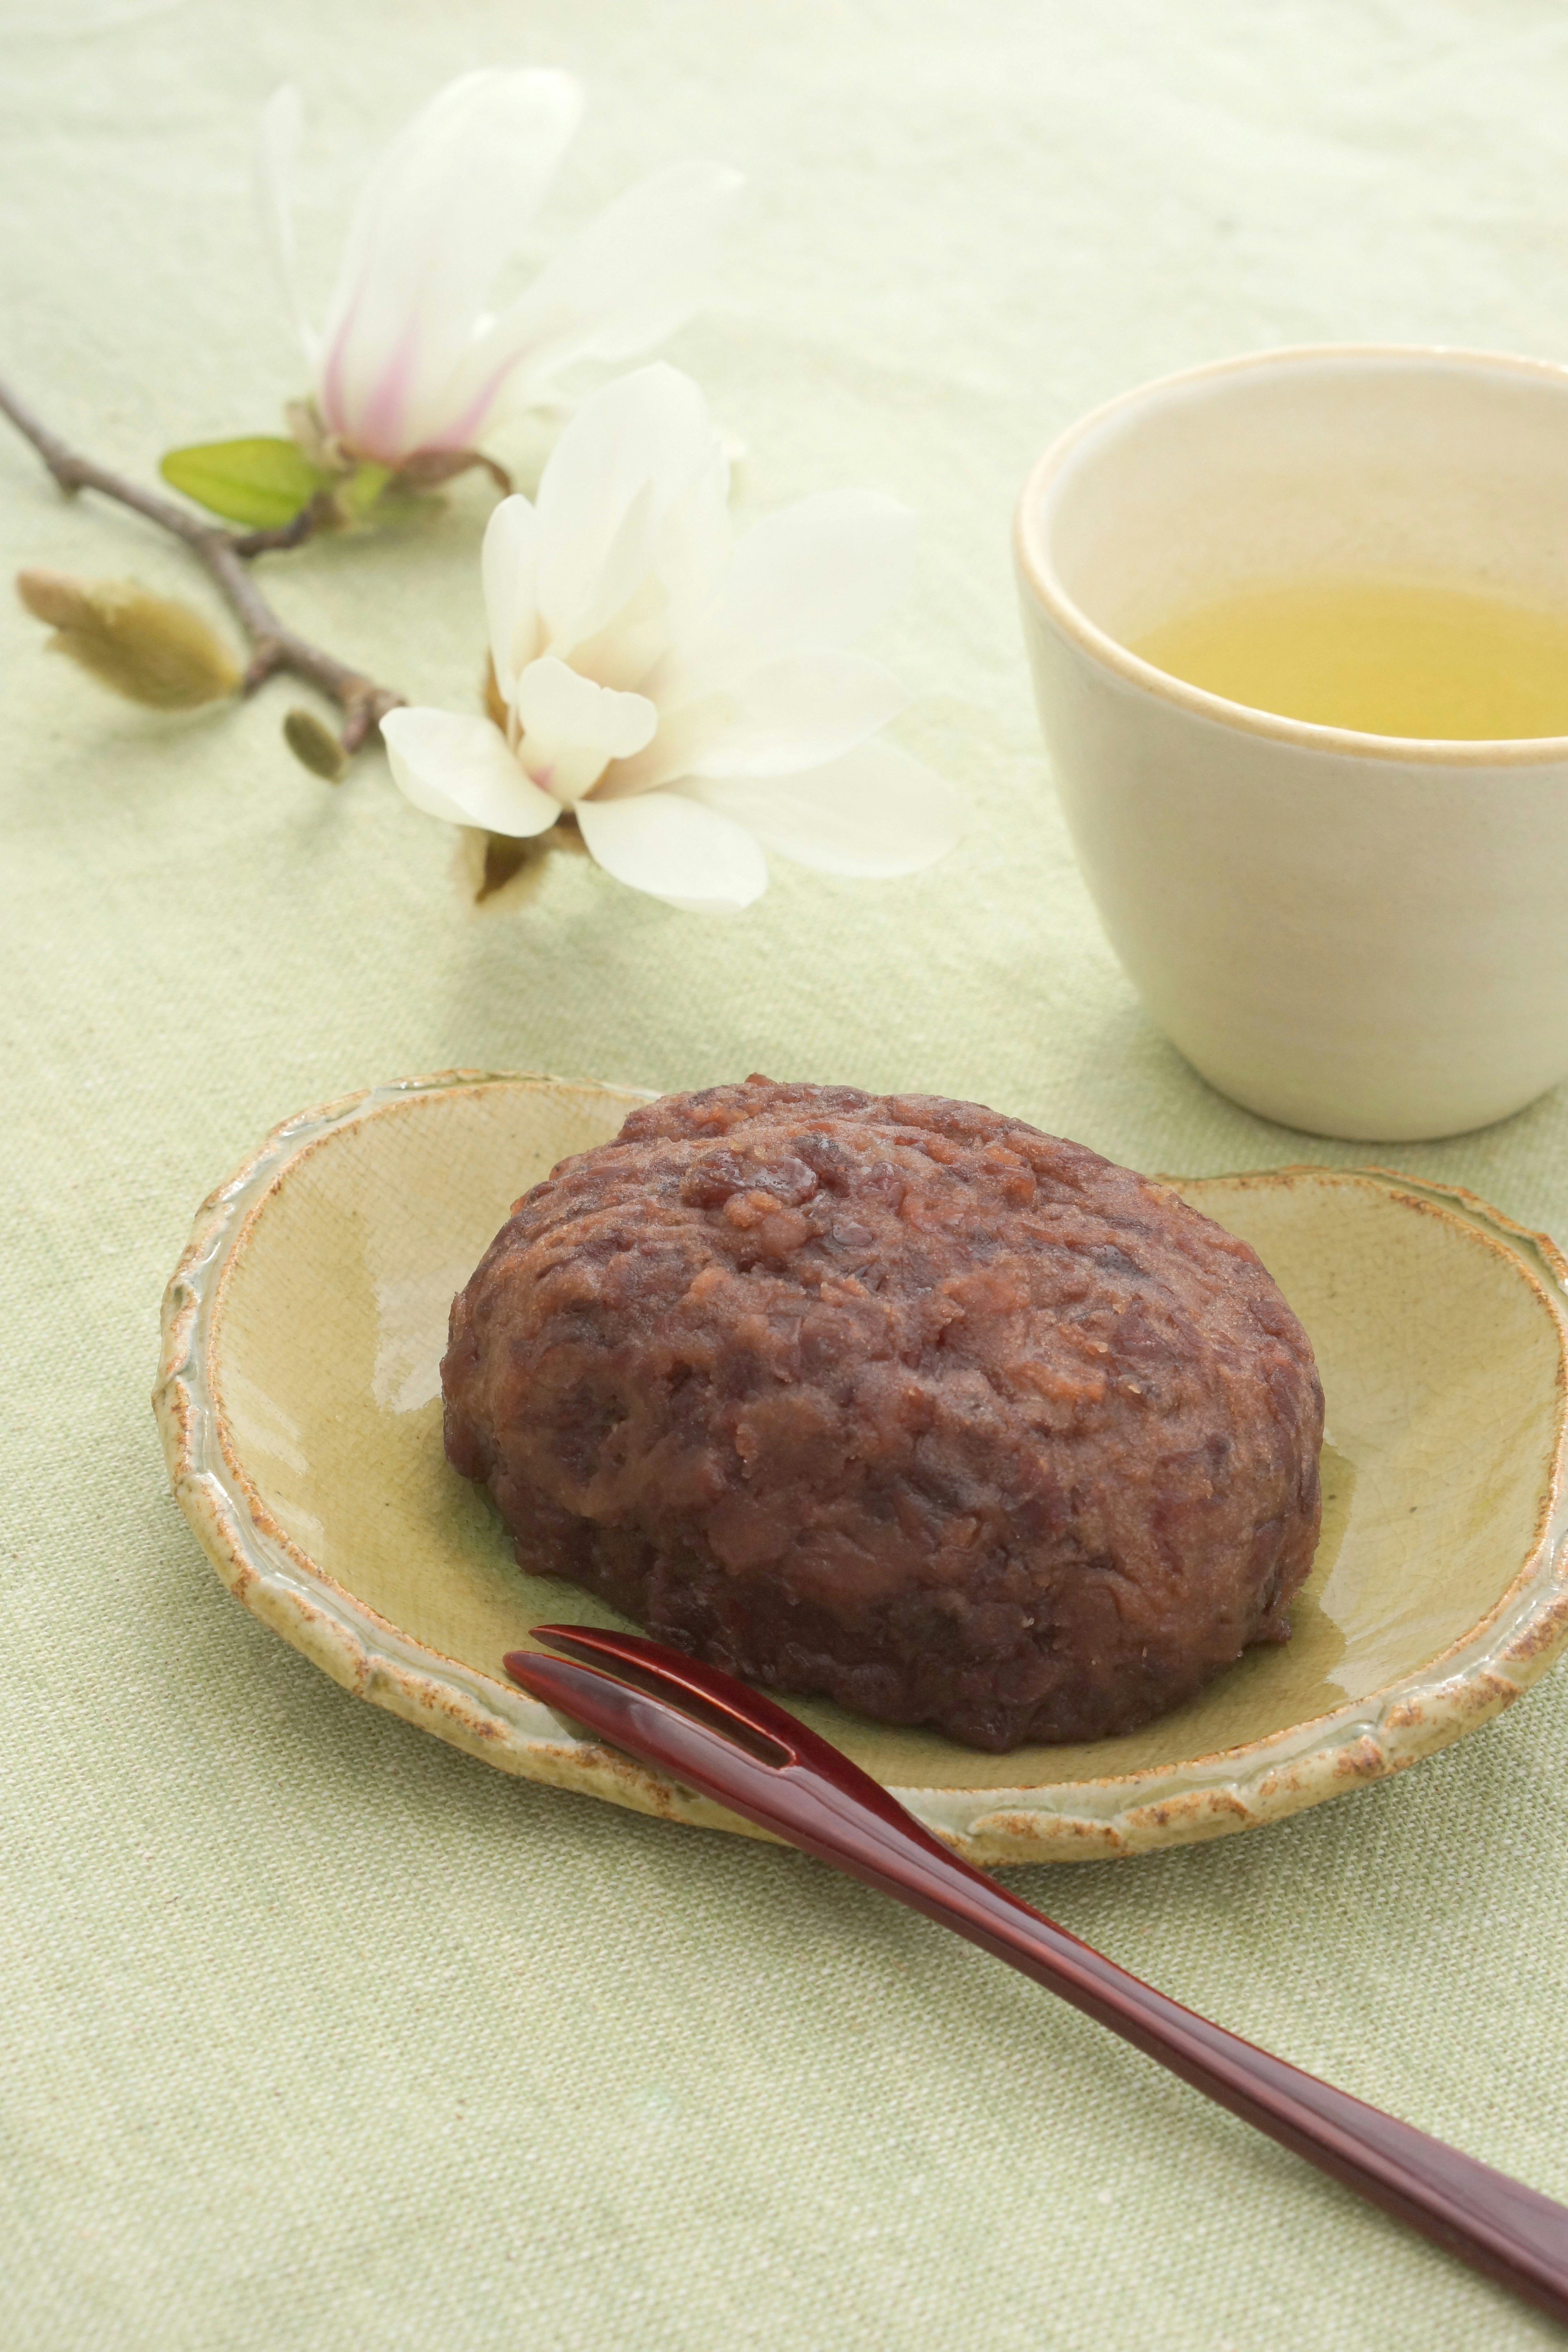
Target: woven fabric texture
(315, 2033)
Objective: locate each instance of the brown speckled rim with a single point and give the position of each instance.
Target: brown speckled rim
(1037, 572)
(1173, 1804)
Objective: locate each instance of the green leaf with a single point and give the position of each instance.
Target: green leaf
(263, 481)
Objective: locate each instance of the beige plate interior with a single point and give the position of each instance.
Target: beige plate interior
(300, 1409)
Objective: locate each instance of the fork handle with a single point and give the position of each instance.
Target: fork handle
(1513, 2233)
(747, 1754)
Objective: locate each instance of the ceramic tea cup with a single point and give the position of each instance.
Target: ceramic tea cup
(1361, 935)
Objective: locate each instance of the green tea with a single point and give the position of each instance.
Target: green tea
(1383, 656)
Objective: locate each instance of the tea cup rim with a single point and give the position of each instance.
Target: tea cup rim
(1036, 568)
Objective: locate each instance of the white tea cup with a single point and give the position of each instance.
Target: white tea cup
(1361, 935)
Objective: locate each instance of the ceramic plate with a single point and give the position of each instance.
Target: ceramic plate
(299, 1406)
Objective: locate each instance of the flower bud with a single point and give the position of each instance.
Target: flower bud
(149, 648)
(315, 746)
(54, 598)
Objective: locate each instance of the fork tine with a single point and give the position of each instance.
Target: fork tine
(672, 1670)
(720, 1764)
(676, 1676)
(828, 1807)
(698, 1723)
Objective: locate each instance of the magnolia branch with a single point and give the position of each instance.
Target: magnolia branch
(226, 555)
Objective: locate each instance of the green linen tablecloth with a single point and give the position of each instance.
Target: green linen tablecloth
(314, 2032)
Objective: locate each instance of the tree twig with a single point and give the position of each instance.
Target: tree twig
(298, 527)
(226, 555)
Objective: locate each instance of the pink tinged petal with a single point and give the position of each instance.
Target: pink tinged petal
(674, 849)
(795, 713)
(623, 286)
(460, 770)
(509, 568)
(278, 146)
(572, 729)
(819, 573)
(440, 214)
(874, 813)
(629, 454)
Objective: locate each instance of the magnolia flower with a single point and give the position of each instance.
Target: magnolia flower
(411, 362)
(685, 697)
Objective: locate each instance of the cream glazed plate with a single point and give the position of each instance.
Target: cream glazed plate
(298, 1400)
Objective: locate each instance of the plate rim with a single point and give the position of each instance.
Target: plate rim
(1221, 1792)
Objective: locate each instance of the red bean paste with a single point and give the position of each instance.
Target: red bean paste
(894, 1399)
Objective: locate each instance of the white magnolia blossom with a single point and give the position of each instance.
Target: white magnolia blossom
(687, 696)
(411, 358)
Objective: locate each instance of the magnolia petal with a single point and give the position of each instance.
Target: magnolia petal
(439, 214)
(552, 700)
(278, 146)
(622, 652)
(818, 573)
(460, 770)
(623, 579)
(670, 755)
(509, 568)
(795, 713)
(629, 454)
(688, 554)
(573, 729)
(694, 544)
(674, 848)
(627, 281)
(786, 716)
(876, 811)
(632, 277)
(822, 572)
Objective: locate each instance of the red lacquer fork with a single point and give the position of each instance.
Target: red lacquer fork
(716, 1735)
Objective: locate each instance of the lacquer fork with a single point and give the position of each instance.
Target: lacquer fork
(716, 1735)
